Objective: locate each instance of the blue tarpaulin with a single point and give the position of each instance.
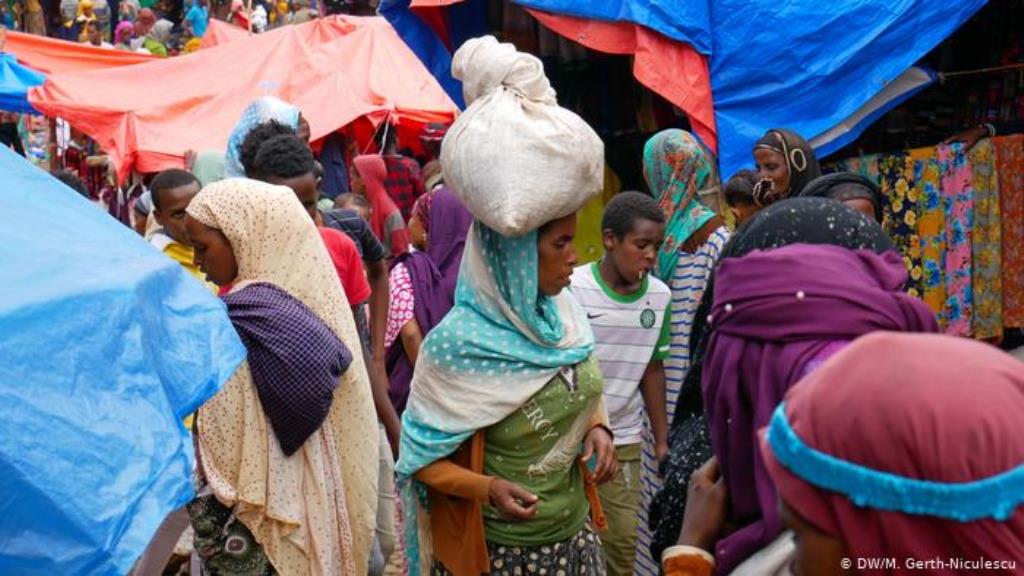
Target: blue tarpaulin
(808, 65)
(107, 345)
(805, 65)
(15, 80)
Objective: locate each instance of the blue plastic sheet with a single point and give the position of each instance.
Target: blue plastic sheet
(807, 65)
(15, 80)
(422, 40)
(106, 346)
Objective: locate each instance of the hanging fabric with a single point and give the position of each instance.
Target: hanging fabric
(1009, 156)
(958, 199)
(931, 228)
(986, 245)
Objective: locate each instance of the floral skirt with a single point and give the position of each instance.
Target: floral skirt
(581, 554)
(225, 546)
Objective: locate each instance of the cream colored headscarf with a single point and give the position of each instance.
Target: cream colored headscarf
(313, 512)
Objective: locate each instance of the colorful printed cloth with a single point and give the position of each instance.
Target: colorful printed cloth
(402, 305)
(678, 168)
(958, 195)
(986, 245)
(1009, 156)
(931, 228)
(901, 213)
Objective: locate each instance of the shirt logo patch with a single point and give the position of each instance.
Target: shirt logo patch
(647, 318)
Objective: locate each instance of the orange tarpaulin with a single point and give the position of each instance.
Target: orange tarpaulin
(219, 32)
(52, 56)
(336, 70)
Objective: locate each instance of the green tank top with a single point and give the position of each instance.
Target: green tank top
(524, 438)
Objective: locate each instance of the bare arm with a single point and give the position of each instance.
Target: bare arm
(381, 401)
(652, 388)
(377, 274)
(412, 339)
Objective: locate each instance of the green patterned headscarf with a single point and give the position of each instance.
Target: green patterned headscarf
(677, 167)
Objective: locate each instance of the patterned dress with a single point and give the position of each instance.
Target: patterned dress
(959, 204)
(931, 228)
(688, 283)
(1009, 153)
(986, 245)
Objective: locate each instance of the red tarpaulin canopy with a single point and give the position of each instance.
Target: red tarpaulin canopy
(52, 56)
(220, 32)
(335, 70)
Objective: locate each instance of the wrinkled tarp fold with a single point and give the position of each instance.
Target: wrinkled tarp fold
(51, 56)
(350, 68)
(107, 345)
(807, 66)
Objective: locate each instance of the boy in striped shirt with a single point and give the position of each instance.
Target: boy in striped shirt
(628, 310)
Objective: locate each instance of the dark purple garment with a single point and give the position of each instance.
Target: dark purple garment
(295, 359)
(773, 312)
(434, 274)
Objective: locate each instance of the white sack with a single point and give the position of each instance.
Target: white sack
(515, 158)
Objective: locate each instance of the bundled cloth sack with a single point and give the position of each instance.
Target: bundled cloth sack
(515, 157)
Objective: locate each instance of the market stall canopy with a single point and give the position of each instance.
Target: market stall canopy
(807, 66)
(107, 345)
(15, 80)
(52, 56)
(335, 70)
(220, 32)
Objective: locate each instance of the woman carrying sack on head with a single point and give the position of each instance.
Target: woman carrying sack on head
(505, 409)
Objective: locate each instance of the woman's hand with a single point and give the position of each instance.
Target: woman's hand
(600, 441)
(705, 507)
(512, 500)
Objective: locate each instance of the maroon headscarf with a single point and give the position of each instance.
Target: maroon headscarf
(434, 274)
(774, 312)
(926, 407)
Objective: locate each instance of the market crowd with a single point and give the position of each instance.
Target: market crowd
(436, 385)
(161, 27)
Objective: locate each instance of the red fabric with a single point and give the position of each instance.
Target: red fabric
(923, 406)
(351, 68)
(53, 56)
(373, 172)
(348, 264)
(219, 32)
(436, 18)
(672, 69)
(404, 183)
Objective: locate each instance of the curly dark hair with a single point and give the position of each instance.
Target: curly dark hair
(626, 208)
(283, 156)
(254, 140)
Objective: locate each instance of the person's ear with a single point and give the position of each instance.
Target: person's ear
(609, 239)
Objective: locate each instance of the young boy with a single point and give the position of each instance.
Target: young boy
(628, 310)
(739, 195)
(171, 191)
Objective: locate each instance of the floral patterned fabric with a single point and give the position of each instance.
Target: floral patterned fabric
(986, 245)
(1009, 157)
(901, 213)
(931, 229)
(958, 197)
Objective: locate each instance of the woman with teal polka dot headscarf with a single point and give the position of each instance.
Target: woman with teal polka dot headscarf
(508, 373)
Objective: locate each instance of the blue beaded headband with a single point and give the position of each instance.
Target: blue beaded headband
(993, 497)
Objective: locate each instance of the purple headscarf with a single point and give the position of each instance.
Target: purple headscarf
(295, 360)
(434, 274)
(774, 312)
